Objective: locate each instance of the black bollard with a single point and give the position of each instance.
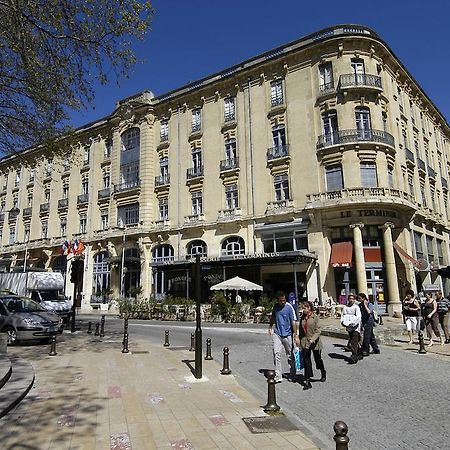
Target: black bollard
(208, 356)
(97, 329)
(271, 405)
(341, 439)
(166, 339)
(125, 336)
(53, 347)
(102, 326)
(421, 343)
(192, 349)
(226, 362)
(89, 331)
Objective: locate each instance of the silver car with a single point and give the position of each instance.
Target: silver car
(23, 319)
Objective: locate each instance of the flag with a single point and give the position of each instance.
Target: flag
(79, 247)
(65, 248)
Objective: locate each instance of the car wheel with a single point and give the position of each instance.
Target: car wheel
(11, 335)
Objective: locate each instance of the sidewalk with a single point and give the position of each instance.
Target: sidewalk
(91, 396)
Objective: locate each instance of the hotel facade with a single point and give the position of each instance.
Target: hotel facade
(320, 167)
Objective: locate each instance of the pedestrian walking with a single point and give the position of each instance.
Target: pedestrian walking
(443, 306)
(368, 323)
(308, 340)
(429, 313)
(410, 310)
(282, 329)
(351, 320)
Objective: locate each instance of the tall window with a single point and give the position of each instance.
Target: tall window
(65, 191)
(281, 185)
(32, 175)
(326, 76)
(230, 150)
(85, 186)
(26, 233)
(358, 70)
(195, 248)
(44, 229)
(104, 220)
(279, 136)
(108, 148)
(231, 196)
(164, 167)
(197, 203)
(430, 248)
(411, 184)
(368, 174)
(233, 245)
(390, 176)
(106, 179)
(197, 163)
(418, 245)
(129, 159)
(47, 195)
(101, 274)
(63, 226)
(276, 93)
(163, 209)
(128, 215)
(49, 168)
(164, 131)
(17, 182)
(196, 120)
(87, 152)
(83, 224)
(330, 127)
(12, 234)
(333, 177)
(229, 109)
(362, 118)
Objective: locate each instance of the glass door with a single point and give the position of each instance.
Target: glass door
(375, 289)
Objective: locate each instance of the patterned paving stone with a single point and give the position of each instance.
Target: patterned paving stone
(120, 441)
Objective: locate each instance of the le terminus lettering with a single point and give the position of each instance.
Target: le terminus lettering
(370, 213)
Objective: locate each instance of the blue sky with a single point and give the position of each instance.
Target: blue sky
(191, 39)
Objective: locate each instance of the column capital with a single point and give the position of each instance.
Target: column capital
(356, 225)
(387, 225)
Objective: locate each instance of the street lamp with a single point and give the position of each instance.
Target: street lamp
(122, 262)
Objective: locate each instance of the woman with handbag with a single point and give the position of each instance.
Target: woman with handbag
(351, 320)
(309, 342)
(410, 309)
(429, 312)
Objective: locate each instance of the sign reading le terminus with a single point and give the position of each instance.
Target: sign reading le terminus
(369, 213)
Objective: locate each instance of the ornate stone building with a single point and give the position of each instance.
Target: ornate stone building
(320, 167)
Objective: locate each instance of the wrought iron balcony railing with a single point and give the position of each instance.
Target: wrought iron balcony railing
(326, 87)
(444, 183)
(127, 185)
(63, 203)
(162, 180)
(341, 137)
(104, 193)
(361, 79)
(27, 212)
(82, 198)
(229, 164)
(277, 152)
(44, 207)
(194, 172)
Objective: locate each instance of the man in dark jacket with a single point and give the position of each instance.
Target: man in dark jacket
(368, 322)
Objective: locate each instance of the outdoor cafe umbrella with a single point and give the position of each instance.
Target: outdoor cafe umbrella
(237, 284)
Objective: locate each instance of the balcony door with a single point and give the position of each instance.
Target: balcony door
(363, 126)
(330, 127)
(358, 70)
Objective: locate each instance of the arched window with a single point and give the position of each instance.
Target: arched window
(101, 274)
(162, 253)
(195, 248)
(233, 245)
(60, 264)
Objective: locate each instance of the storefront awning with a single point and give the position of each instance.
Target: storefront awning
(341, 254)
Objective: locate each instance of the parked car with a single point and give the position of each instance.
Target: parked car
(23, 319)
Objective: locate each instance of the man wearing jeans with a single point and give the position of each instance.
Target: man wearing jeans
(282, 328)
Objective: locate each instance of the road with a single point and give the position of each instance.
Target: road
(394, 400)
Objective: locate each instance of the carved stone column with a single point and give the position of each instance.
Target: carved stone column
(393, 299)
(360, 263)
(145, 244)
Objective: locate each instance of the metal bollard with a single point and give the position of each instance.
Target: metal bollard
(125, 336)
(208, 356)
(226, 362)
(192, 349)
(102, 326)
(421, 343)
(97, 329)
(53, 347)
(271, 405)
(341, 438)
(166, 339)
(89, 330)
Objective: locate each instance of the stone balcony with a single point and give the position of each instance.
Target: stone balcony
(360, 81)
(226, 215)
(279, 206)
(354, 136)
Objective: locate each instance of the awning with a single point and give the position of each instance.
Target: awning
(372, 254)
(341, 254)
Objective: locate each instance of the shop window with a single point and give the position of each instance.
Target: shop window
(163, 253)
(288, 241)
(233, 246)
(195, 248)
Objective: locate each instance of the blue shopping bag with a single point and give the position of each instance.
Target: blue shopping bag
(298, 359)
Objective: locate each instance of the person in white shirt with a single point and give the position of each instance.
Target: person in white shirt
(351, 320)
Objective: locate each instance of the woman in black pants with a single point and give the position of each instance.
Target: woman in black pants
(309, 342)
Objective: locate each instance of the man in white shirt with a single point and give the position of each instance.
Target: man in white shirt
(351, 320)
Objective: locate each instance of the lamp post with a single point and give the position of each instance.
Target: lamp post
(122, 261)
(198, 329)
